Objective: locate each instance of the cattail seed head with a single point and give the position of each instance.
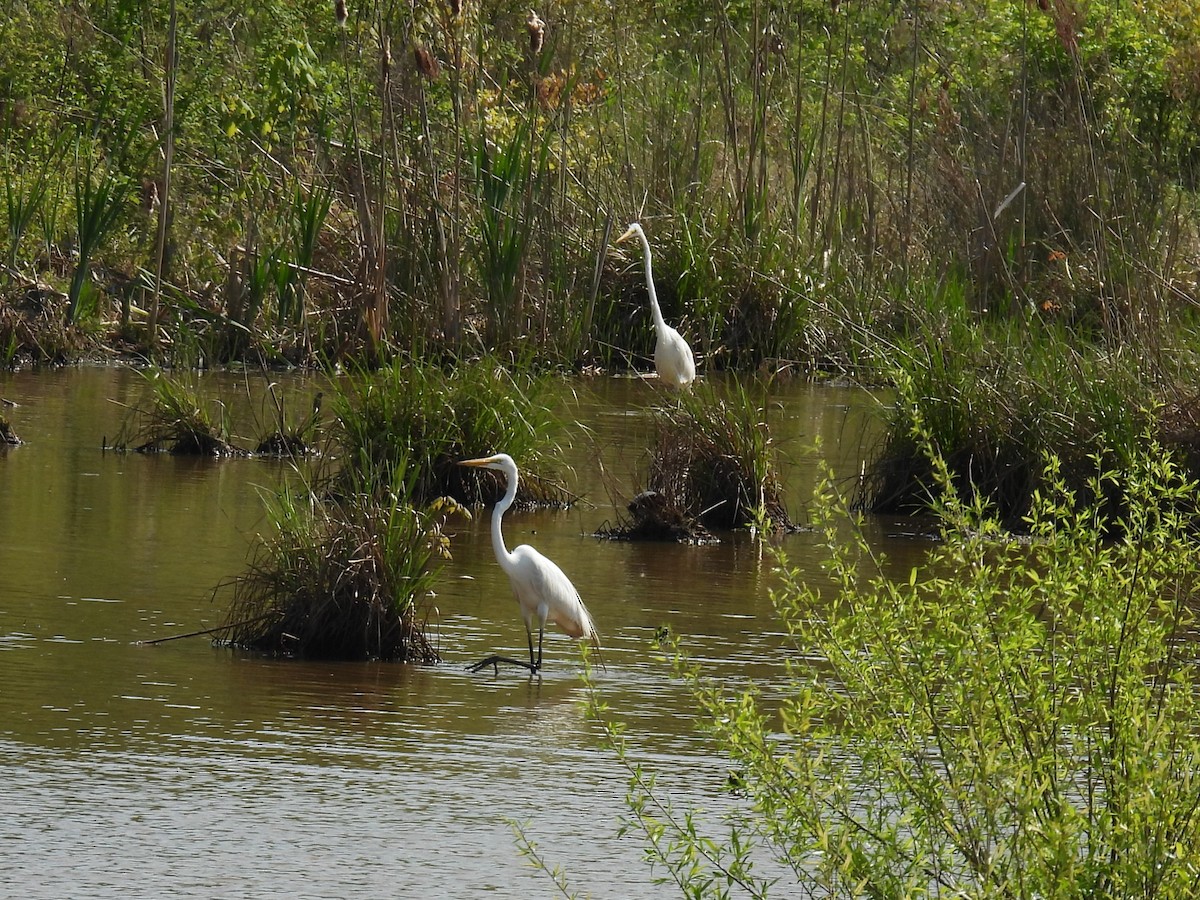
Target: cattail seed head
(537, 33)
(150, 195)
(339, 12)
(427, 63)
(385, 58)
(456, 7)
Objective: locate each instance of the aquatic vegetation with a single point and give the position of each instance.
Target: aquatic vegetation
(292, 439)
(177, 420)
(712, 466)
(995, 405)
(342, 578)
(432, 417)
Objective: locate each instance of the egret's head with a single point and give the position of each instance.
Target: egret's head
(634, 229)
(501, 462)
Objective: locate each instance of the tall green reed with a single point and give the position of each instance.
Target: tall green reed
(26, 186)
(309, 209)
(508, 171)
(102, 188)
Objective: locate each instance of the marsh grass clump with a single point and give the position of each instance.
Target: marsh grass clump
(33, 328)
(7, 435)
(344, 578)
(995, 406)
(432, 418)
(291, 440)
(177, 421)
(712, 467)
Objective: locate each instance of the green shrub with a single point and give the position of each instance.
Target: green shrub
(1013, 719)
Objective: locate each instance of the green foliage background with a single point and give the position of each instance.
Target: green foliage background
(805, 169)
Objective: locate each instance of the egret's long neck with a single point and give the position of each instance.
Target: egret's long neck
(506, 501)
(659, 322)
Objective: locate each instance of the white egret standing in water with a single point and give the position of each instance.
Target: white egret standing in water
(542, 589)
(672, 356)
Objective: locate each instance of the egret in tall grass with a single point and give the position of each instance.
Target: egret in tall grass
(542, 589)
(672, 356)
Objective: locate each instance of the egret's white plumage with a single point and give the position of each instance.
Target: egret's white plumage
(543, 590)
(673, 358)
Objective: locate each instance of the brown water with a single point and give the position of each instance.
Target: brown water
(184, 770)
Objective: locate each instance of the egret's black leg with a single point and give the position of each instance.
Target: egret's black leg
(494, 662)
(533, 666)
(541, 634)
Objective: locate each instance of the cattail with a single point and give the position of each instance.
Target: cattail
(385, 58)
(537, 33)
(456, 8)
(427, 63)
(150, 195)
(339, 12)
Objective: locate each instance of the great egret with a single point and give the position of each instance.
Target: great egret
(672, 356)
(542, 590)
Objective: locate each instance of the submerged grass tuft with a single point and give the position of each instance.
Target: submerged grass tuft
(7, 435)
(345, 578)
(177, 421)
(291, 440)
(712, 467)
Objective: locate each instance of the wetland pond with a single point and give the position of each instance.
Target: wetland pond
(187, 770)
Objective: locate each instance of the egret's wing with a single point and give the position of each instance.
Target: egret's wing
(545, 583)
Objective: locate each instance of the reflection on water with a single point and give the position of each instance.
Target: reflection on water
(181, 769)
